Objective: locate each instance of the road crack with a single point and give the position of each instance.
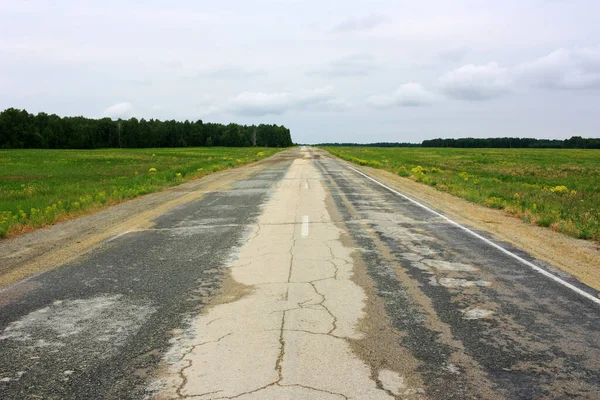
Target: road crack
(181, 372)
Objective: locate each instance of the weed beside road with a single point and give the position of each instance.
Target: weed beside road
(559, 189)
(41, 187)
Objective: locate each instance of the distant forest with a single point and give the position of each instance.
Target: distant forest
(576, 142)
(22, 130)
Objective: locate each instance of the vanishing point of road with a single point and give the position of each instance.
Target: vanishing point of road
(300, 278)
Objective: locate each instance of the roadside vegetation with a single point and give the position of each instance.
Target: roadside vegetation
(41, 187)
(554, 188)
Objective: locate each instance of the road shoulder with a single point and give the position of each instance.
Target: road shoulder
(44, 249)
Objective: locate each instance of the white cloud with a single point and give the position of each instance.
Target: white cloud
(119, 110)
(260, 103)
(410, 94)
(360, 23)
(476, 82)
(353, 65)
(568, 69)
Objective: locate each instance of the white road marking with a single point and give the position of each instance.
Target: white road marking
(118, 236)
(487, 241)
(305, 226)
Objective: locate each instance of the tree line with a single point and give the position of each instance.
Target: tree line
(20, 129)
(575, 142)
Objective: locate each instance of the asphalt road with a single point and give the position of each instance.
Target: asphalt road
(305, 280)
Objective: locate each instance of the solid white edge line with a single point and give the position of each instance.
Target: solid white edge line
(118, 236)
(487, 241)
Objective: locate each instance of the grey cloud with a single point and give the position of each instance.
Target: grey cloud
(567, 69)
(140, 82)
(230, 72)
(359, 24)
(453, 54)
(353, 65)
(333, 105)
(563, 69)
(175, 64)
(261, 103)
(199, 44)
(410, 94)
(476, 82)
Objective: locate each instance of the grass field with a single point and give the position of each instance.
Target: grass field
(41, 187)
(559, 189)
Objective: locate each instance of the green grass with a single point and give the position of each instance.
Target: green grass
(41, 187)
(559, 189)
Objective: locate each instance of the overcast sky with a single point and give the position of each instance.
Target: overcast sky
(351, 71)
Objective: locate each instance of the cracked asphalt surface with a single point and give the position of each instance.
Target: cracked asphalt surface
(303, 280)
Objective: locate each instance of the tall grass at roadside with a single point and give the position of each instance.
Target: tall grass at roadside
(554, 188)
(41, 187)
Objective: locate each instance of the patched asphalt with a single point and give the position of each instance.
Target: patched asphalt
(98, 327)
(541, 339)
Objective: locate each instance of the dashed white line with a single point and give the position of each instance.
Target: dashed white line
(305, 226)
(487, 241)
